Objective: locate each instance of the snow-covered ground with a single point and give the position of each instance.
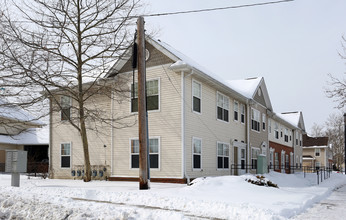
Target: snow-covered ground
(227, 197)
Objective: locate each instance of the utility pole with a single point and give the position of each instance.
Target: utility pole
(142, 109)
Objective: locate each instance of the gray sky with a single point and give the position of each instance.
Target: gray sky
(292, 45)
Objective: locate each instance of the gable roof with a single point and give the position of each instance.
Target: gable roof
(314, 141)
(180, 62)
(253, 88)
(295, 118)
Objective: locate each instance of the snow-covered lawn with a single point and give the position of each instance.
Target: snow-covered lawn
(227, 197)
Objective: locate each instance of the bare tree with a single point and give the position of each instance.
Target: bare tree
(54, 48)
(337, 87)
(335, 132)
(317, 130)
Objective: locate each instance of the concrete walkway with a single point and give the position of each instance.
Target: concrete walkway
(334, 207)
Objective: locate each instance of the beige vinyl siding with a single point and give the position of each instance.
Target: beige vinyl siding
(257, 138)
(63, 132)
(321, 158)
(206, 127)
(164, 123)
(281, 140)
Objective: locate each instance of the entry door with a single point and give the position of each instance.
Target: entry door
(241, 160)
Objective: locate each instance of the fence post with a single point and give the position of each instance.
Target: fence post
(318, 178)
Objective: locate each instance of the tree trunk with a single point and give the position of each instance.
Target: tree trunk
(87, 170)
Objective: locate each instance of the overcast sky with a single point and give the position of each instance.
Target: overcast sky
(292, 45)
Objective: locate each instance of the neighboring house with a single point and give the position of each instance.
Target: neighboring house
(317, 152)
(20, 131)
(285, 141)
(198, 124)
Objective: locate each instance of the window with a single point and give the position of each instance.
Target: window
(242, 158)
(65, 103)
(152, 88)
(222, 107)
(287, 165)
(222, 156)
(276, 130)
(153, 153)
(297, 137)
(317, 152)
(236, 109)
(286, 135)
(300, 140)
(263, 122)
(276, 163)
(242, 114)
(255, 120)
(65, 155)
(196, 96)
(281, 134)
(282, 159)
(197, 153)
(254, 154)
(271, 158)
(270, 125)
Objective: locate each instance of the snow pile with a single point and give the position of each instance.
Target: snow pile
(227, 197)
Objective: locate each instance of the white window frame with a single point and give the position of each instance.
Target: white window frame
(136, 95)
(223, 156)
(317, 150)
(158, 153)
(62, 107)
(200, 98)
(235, 110)
(276, 131)
(286, 135)
(269, 125)
(264, 121)
(242, 114)
(223, 106)
(256, 116)
(70, 155)
(200, 154)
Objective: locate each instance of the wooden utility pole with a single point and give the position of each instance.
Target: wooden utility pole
(142, 109)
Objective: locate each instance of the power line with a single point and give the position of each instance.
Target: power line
(217, 9)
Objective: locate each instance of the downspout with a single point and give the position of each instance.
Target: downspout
(50, 139)
(112, 130)
(185, 175)
(247, 135)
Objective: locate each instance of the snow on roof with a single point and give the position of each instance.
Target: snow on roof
(291, 117)
(14, 112)
(247, 87)
(183, 60)
(32, 136)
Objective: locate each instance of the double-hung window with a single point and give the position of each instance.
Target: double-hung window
(152, 90)
(263, 122)
(154, 155)
(197, 153)
(65, 155)
(222, 107)
(286, 135)
(65, 103)
(255, 120)
(269, 125)
(317, 152)
(236, 110)
(196, 96)
(242, 114)
(276, 130)
(222, 156)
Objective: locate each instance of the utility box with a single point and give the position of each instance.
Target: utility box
(16, 161)
(262, 167)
